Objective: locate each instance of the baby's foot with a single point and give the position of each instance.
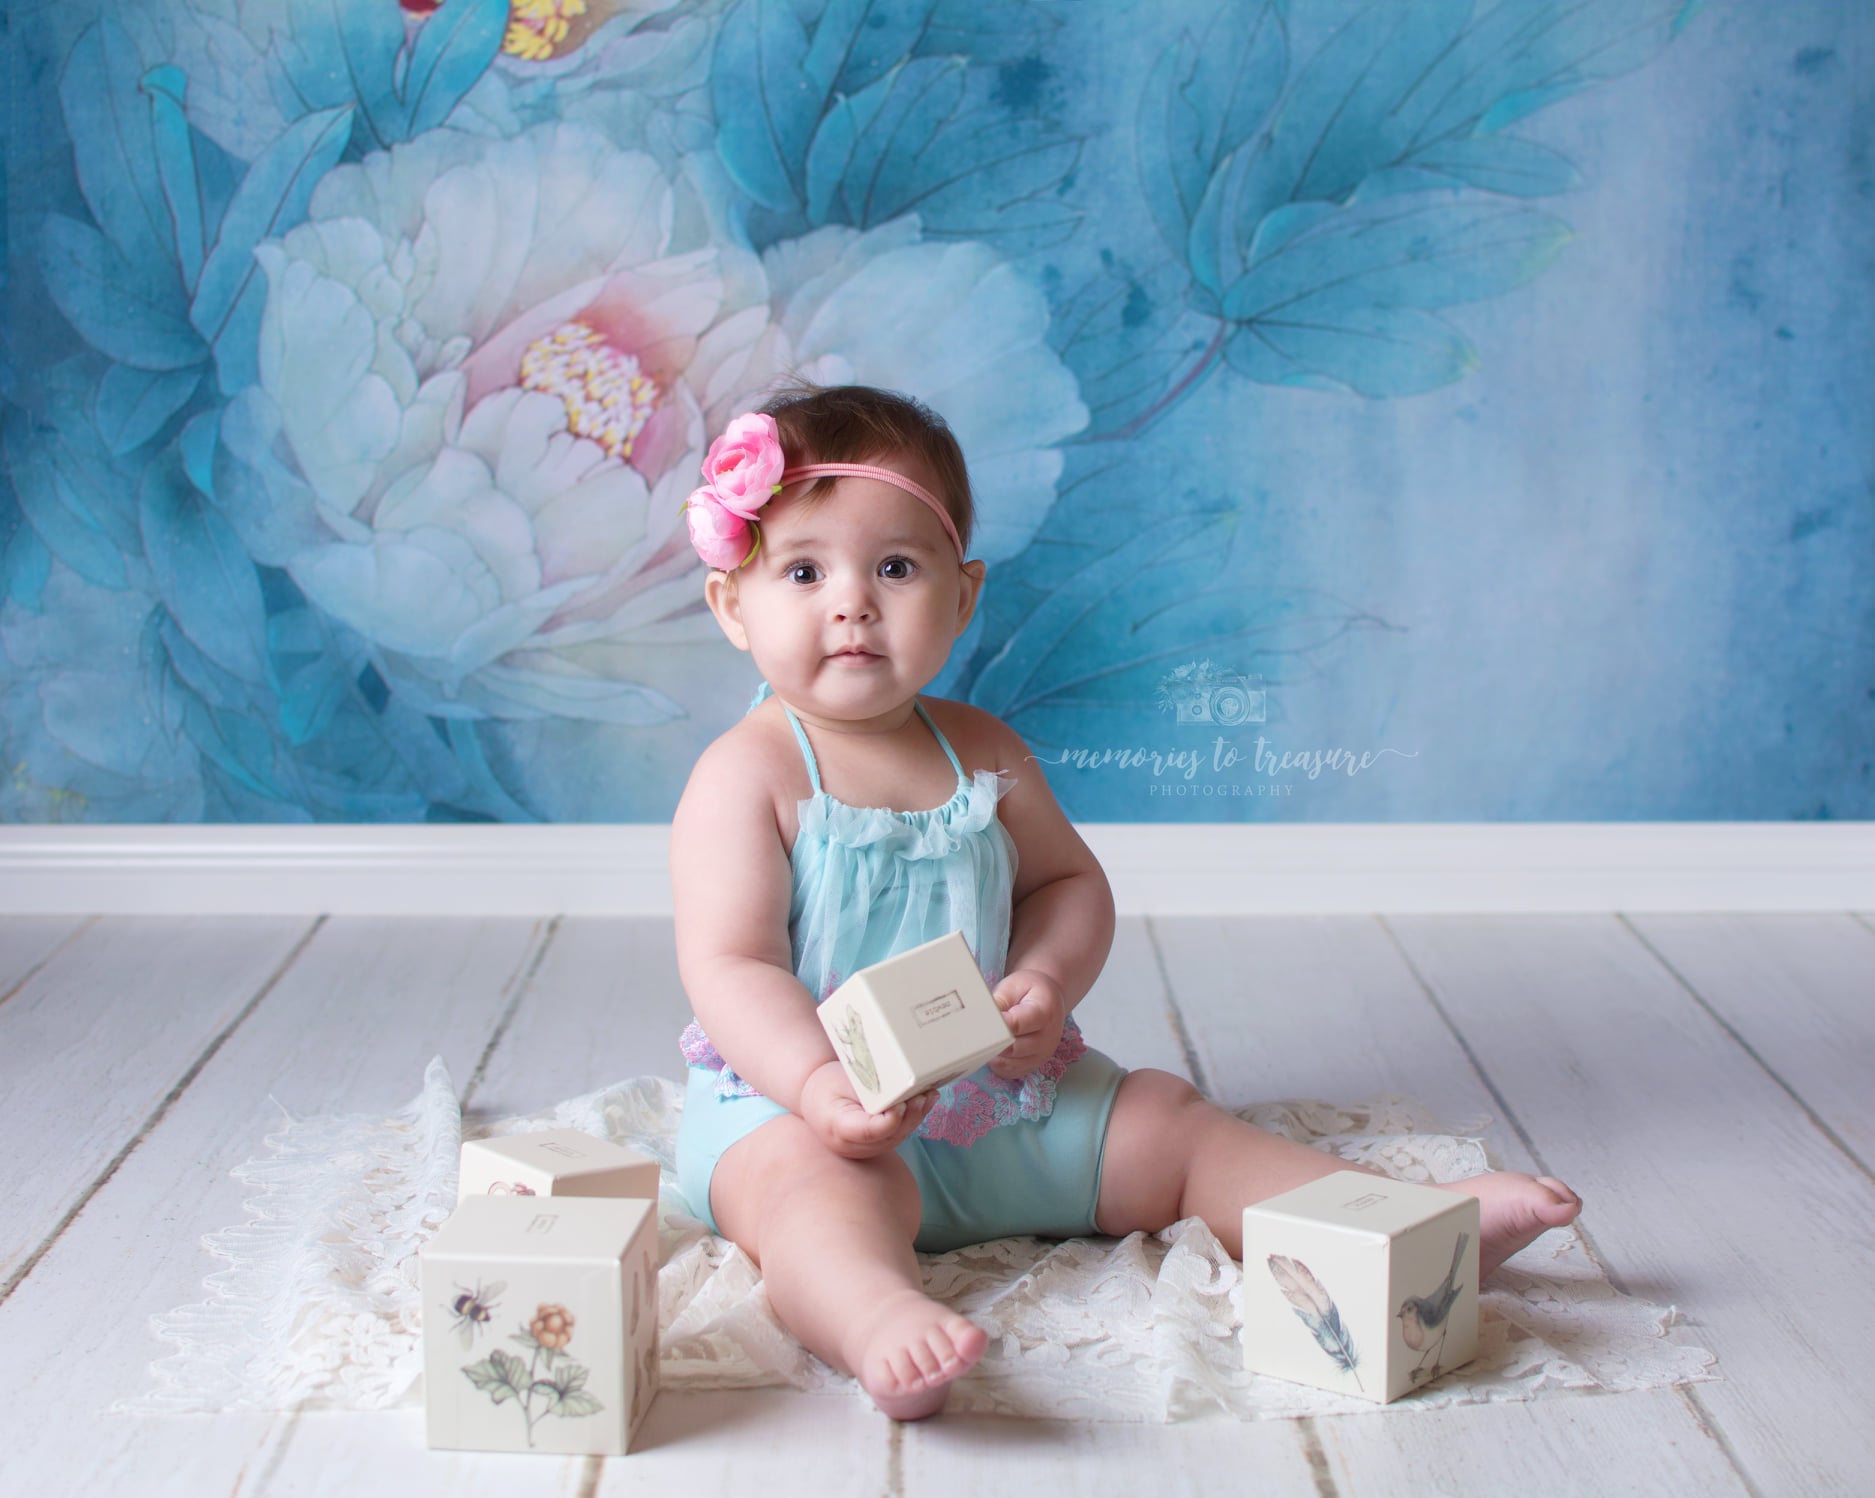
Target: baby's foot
(911, 1351)
(1514, 1210)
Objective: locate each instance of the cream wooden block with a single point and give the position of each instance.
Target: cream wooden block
(555, 1162)
(540, 1326)
(1360, 1284)
(917, 1020)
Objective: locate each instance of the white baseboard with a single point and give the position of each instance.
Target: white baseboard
(1155, 869)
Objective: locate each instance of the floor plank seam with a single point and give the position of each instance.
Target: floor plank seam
(1505, 1111)
(894, 1460)
(521, 984)
(1816, 1119)
(38, 967)
(1316, 1454)
(275, 1459)
(14, 1280)
(1709, 1427)
(1193, 1067)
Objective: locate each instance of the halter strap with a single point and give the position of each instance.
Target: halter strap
(886, 475)
(813, 766)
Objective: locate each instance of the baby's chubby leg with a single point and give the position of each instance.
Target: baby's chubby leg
(833, 1238)
(1170, 1154)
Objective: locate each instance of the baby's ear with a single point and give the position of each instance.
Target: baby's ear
(719, 592)
(974, 573)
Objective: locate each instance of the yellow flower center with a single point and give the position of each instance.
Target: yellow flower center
(537, 27)
(607, 399)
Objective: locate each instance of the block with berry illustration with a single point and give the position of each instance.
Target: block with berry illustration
(917, 1020)
(555, 1162)
(1360, 1284)
(540, 1325)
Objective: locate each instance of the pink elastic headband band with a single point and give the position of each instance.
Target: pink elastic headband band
(885, 475)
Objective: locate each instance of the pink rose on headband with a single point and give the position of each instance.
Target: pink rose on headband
(744, 465)
(720, 536)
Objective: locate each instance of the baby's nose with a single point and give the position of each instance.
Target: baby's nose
(854, 602)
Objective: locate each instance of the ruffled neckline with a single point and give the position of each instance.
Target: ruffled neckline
(929, 833)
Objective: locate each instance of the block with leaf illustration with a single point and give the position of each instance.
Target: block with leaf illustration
(1360, 1284)
(554, 1162)
(540, 1324)
(917, 1020)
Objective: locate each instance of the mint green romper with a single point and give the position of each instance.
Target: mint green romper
(994, 1157)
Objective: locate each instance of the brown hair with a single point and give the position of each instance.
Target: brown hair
(858, 424)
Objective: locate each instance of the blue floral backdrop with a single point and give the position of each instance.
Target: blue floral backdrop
(1424, 410)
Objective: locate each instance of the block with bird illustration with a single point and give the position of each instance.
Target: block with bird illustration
(916, 1020)
(1360, 1284)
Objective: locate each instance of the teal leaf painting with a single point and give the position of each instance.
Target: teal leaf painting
(113, 142)
(202, 574)
(1201, 101)
(167, 88)
(916, 142)
(453, 49)
(341, 54)
(59, 509)
(272, 198)
(134, 404)
(1499, 163)
(843, 117)
(133, 311)
(766, 105)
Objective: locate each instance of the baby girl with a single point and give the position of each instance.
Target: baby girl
(845, 818)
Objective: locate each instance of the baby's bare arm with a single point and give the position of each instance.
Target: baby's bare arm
(730, 887)
(1062, 921)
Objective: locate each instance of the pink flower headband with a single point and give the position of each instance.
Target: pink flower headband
(745, 468)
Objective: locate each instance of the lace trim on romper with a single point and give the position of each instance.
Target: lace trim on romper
(951, 867)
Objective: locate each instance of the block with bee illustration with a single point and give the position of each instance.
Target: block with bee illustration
(540, 1324)
(1360, 1284)
(917, 1020)
(555, 1162)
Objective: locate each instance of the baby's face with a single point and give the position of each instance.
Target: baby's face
(852, 604)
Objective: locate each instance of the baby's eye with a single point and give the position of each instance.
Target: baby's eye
(793, 572)
(903, 563)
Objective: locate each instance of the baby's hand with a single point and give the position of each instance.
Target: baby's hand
(840, 1121)
(1033, 1009)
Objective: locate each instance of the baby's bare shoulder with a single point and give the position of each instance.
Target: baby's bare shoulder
(742, 769)
(982, 740)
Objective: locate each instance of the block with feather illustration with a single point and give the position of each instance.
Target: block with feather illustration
(917, 1020)
(1360, 1284)
(555, 1162)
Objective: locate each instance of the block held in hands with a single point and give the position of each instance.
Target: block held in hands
(914, 1021)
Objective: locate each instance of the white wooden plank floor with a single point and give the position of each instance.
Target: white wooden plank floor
(1702, 1080)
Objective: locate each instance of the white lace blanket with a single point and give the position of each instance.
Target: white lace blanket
(318, 1306)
